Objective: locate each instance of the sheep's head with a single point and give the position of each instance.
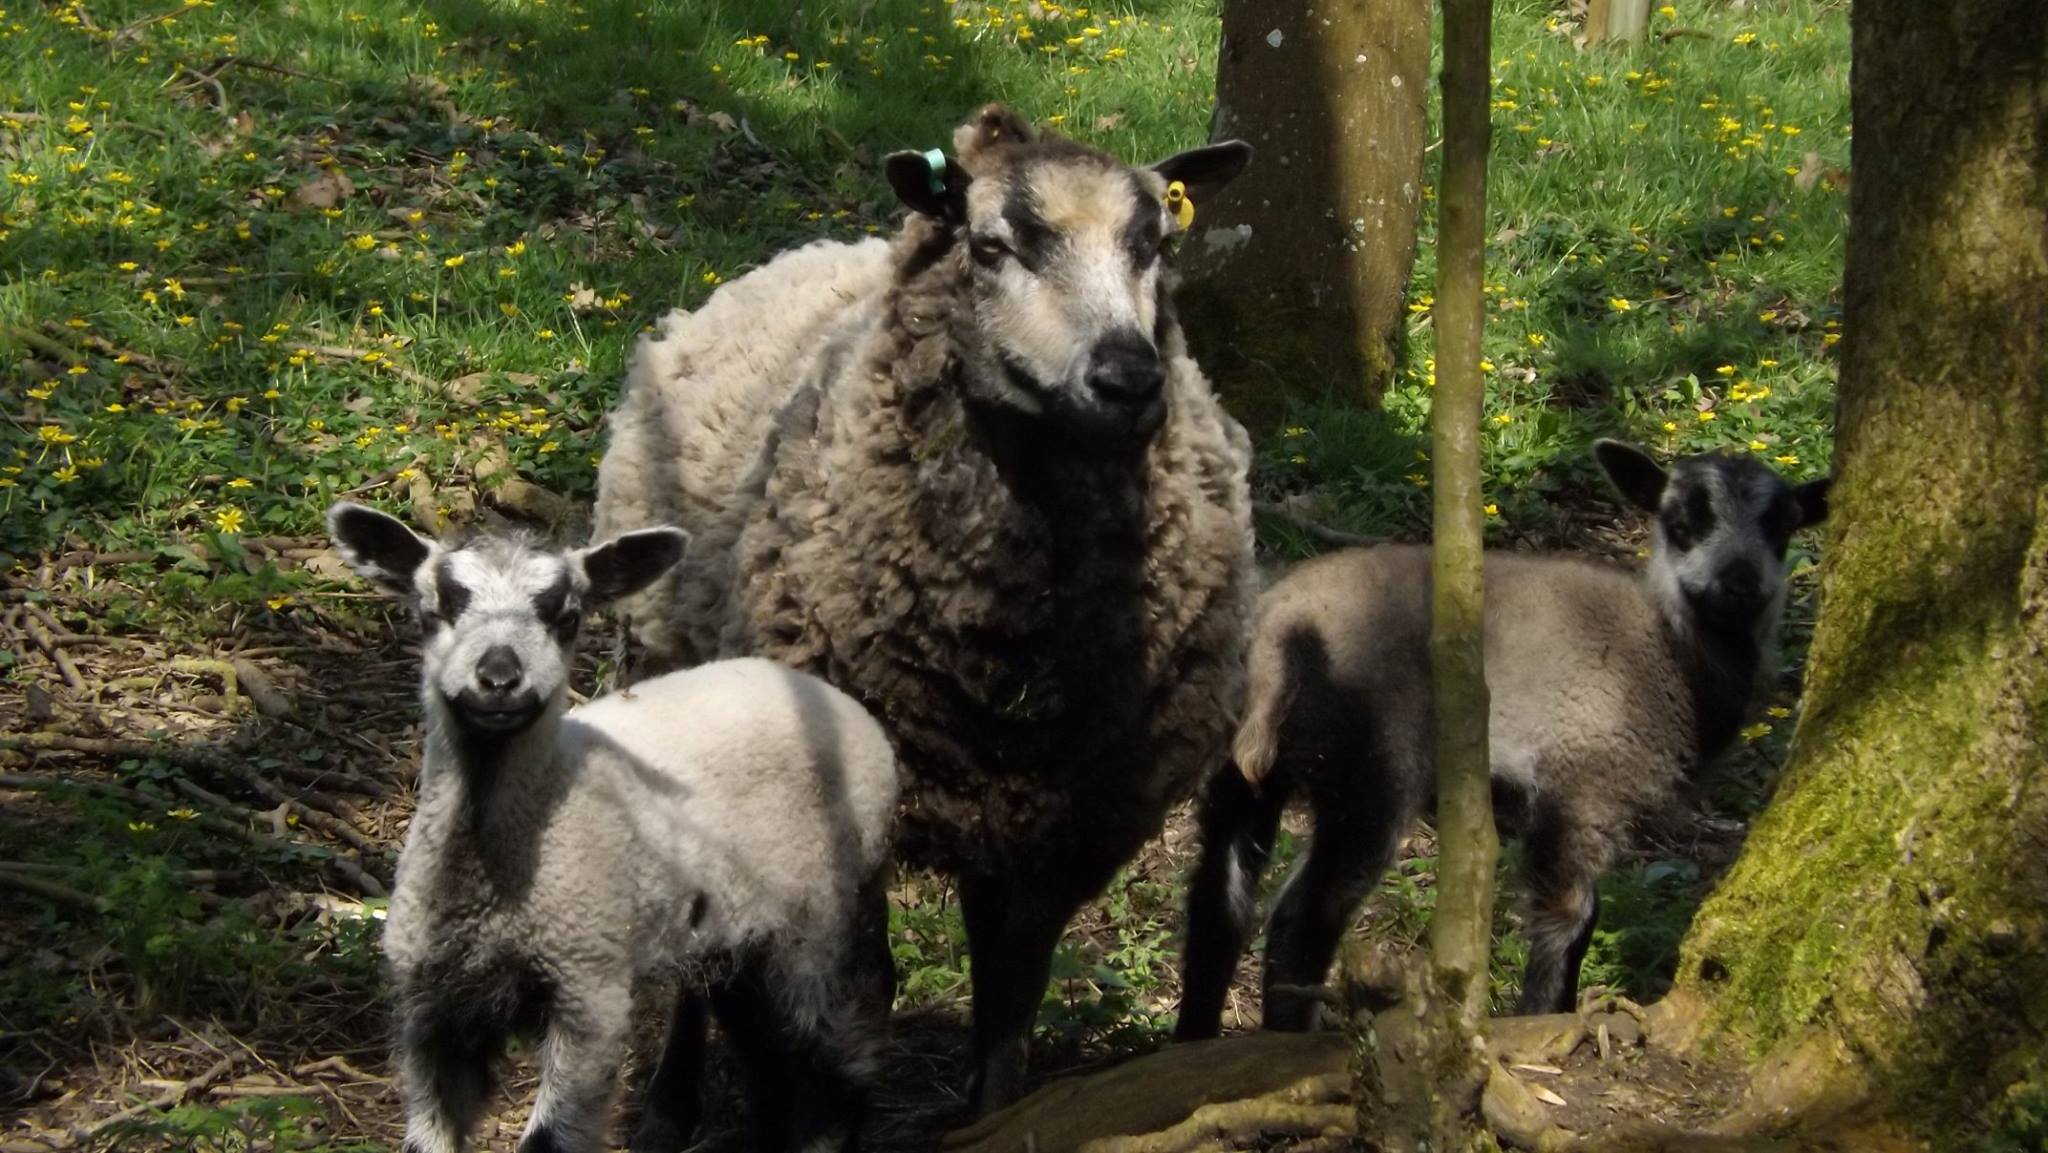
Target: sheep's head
(1717, 549)
(1067, 250)
(500, 612)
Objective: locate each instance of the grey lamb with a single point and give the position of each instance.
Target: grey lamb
(973, 478)
(1608, 689)
(731, 822)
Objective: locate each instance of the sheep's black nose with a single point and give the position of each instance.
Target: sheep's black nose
(499, 671)
(1739, 581)
(1124, 369)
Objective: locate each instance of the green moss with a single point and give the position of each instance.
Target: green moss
(1882, 895)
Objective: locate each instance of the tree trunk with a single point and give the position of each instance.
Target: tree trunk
(1296, 276)
(1461, 936)
(1891, 906)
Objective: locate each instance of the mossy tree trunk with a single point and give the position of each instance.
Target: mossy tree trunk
(1891, 906)
(1295, 277)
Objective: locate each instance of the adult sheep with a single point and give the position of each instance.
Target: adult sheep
(972, 478)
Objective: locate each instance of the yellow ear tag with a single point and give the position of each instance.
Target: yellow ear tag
(1178, 204)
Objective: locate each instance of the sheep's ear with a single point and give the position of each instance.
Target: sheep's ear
(940, 194)
(1635, 475)
(626, 564)
(377, 545)
(1204, 171)
(1813, 501)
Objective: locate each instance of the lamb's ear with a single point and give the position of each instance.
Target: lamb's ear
(1813, 501)
(628, 563)
(1204, 171)
(1637, 476)
(940, 194)
(378, 545)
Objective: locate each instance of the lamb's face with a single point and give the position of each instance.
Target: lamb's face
(500, 622)
(1067, 253)
(1722, 526)
(500, 613)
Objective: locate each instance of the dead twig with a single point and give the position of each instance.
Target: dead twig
(174, 1095)
(36, 625)
(349, 870)
(135, 28)
(1320, 532)
(25, 881)
(344, 352)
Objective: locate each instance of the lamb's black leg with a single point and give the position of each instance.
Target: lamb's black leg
(1238, 827)
(674, 1103)
(798, 1098)
(1013, 927)
(1354, 843)
(444, 1073)
(1564, 867)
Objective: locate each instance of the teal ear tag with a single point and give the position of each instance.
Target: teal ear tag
(936, 161)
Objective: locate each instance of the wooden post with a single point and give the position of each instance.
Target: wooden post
(1616, 20)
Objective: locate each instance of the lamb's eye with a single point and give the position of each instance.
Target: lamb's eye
(988, 250)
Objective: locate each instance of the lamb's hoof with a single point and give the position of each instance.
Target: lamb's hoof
(660, 1135)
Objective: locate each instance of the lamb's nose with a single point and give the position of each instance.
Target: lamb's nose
(499, 671)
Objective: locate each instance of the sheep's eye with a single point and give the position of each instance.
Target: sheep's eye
(988, 250)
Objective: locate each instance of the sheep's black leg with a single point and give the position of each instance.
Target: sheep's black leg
(674, 1103)
(444, 1073)
(1238, 826)
(586, 1037)
(1013, 927)
(1564, 863)
(1354, 843)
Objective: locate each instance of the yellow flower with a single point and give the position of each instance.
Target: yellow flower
(182, 814)
(51, 434)
(710, 277)
(1786, 459)
(546, 334)
(241, 482)
(1485, 365)
(1536, 339)
(65, 475)
(454, 261)
(1619, 303)
(1758, 446)
(1708, 415)
(1756, 732)
(228, 520)
(516, 248)
(1779, 711)
(1492, 510)
(1504, 419)
(1725, 370)
(141, 827)
(77, 370)
(1293, 431)
(363, 242)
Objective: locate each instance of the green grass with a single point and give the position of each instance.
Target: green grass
(1655, 270)
(200, 341)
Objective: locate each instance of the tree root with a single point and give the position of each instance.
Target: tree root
(1238, 1124)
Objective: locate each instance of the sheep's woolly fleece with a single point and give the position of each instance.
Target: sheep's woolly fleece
(1053, 634)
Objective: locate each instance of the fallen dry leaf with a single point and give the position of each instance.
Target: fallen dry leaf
(326, 190)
